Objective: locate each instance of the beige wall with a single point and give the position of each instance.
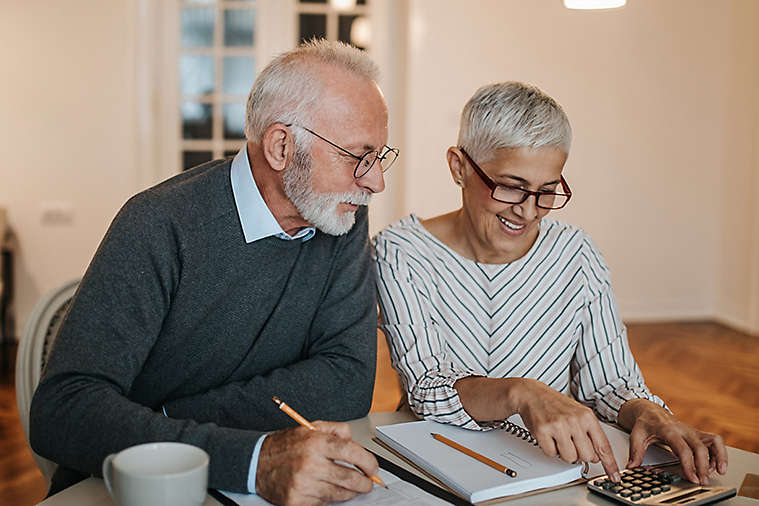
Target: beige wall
(67, 133)
(662, 96)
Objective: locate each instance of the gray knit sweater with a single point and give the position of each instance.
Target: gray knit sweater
(176, 310)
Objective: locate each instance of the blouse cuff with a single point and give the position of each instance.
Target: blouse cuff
(435, 398)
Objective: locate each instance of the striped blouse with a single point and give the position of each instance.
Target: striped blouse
(550, 315)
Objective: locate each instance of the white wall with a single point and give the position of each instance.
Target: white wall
(664, 127)
(67, 133)
(662, 96)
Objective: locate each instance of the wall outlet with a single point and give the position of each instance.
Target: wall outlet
(56, 214)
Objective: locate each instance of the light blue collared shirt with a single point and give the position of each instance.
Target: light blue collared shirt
(256, 218)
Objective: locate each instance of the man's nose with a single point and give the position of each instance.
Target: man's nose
(374, 180)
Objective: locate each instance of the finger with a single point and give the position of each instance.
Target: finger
(348, 478)
(566, 447)
(341, 430)
(701, 457)
(322, 492)
(683, 452)
(350, 452)
(717, 451)
(603, 450)
(639, 442)
(546, 442)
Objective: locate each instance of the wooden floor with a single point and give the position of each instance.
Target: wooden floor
(707, 373)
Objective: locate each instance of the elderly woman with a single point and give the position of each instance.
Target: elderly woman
(495, 309)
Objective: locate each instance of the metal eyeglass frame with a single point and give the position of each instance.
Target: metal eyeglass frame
(360, 159)
(525, 193)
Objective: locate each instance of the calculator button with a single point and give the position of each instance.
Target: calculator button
(607, 485)
(616, 489)
(655, 490)
(646, 486)
(598, 483)
(625, 493)
(675, 478)
(655, 483)
(645, 493)
(665, 488)
(637, 482)
(636, 489)
(635, 497)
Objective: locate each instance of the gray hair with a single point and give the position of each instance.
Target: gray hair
(288, 89)
(512, 115)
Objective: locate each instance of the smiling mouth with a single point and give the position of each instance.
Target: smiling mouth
(509, 224)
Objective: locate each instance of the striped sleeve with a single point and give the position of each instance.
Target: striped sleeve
(416, 345)
(604, 374)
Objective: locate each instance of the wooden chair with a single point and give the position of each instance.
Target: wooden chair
(33, 349)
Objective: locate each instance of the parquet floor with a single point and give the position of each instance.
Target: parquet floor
(707, 373)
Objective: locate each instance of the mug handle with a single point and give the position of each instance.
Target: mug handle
(108, 472)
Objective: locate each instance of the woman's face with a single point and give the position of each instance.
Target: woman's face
(502, 232)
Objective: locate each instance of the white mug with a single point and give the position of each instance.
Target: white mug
(165, 474)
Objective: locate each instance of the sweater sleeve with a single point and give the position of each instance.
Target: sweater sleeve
(603, 371)
(415, 338)
(81, 410)
(335, 378)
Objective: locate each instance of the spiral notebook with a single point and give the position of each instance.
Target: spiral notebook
(510, 444)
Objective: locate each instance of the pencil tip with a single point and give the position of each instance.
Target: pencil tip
(276, 400)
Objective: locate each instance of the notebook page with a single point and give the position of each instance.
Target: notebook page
(397, 492)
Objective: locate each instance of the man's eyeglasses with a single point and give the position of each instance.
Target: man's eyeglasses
(365, 161)
(515, 195)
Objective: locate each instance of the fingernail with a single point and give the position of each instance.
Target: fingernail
(616, 477)
(722, 468)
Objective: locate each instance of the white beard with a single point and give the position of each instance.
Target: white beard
(319, 209)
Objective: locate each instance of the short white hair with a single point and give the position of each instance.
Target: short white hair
(289, 88)
(512, 115)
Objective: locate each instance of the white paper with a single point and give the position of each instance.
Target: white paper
(472, 479)
(397, 492)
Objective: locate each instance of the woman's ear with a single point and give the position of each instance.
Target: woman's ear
(278, 146)
(456, 164)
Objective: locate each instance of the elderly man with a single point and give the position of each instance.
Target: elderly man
(234, 282)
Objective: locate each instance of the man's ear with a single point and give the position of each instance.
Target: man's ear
(456, 164)
(278, 146)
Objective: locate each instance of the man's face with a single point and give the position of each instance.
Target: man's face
(320, 183)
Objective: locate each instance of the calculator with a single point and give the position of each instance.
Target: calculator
(646, 485)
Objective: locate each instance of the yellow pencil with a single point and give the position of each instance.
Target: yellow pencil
(466, 451)
(305, 423)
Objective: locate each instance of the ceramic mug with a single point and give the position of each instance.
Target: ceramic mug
(165, 474)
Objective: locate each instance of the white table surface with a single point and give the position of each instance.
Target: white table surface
(92, 492)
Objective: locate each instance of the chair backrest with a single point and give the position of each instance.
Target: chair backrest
(39, 333)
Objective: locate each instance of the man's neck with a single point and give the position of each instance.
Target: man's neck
(271, 187)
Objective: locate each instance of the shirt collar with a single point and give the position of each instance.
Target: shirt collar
(257, 220)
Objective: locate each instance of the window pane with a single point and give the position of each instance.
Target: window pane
(238, 74)
(344, 28)
(234, 121)
(196, 74)
(192, 158)
(238, 27)
(312, 25)
(196, 120)
(197, 26)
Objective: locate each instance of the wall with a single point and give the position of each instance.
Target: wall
(662, 97)
(67, 134)
(656, 97)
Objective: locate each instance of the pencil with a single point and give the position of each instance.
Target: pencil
(466, 451)
(305, 423)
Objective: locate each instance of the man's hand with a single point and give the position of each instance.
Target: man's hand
(700, 453)
(297, 466)
(564, 427)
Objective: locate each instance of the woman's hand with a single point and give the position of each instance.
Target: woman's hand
(700, 453)
(564, 427)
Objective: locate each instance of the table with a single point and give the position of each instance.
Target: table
(92, 492)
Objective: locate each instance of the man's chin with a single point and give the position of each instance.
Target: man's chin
(339, 224)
